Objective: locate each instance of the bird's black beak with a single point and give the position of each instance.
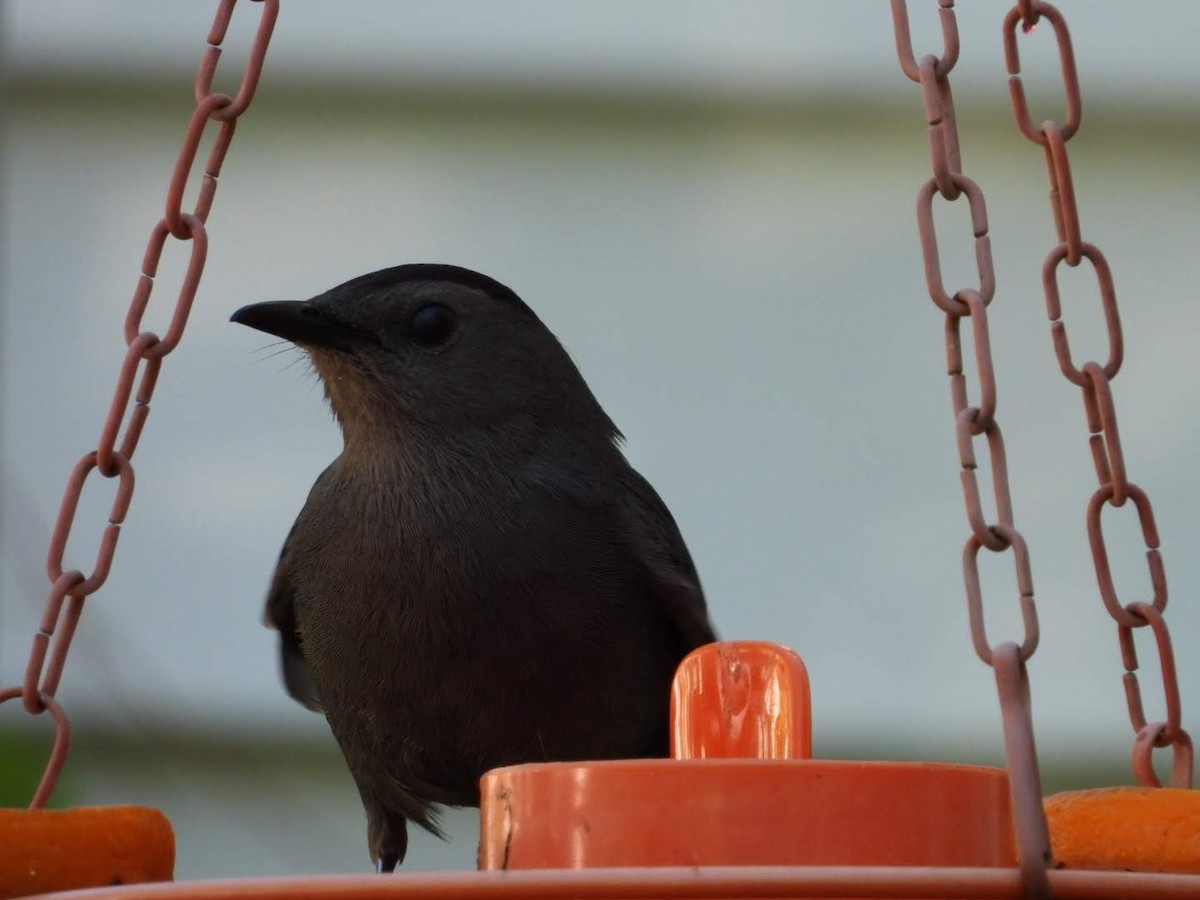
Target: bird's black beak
(300, 322)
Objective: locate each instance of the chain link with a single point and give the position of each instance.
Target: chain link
(66, 520)
(198, 236)
(1108, 591)
(58, 753)
(1108, 303)
(904, 47)
(144, 351)
(1095, 380)
(1030, 12)
(1007, 658)
(955, 305)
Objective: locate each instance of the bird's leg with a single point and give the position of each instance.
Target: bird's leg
(387, 836)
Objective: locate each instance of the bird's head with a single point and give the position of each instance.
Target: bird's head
(433, 345)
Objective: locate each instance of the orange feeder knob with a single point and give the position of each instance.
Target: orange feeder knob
(742, 790)
(44, 850)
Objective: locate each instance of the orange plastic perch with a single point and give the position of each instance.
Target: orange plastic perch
(1126, 828)
(742, 791)
(45, 850)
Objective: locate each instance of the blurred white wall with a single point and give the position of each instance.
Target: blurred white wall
(711, 205)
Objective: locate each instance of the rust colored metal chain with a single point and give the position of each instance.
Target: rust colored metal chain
(144, 353)
(1007, 658)
(1095, 380)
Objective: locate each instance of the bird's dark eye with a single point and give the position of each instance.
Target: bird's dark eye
(431, 324)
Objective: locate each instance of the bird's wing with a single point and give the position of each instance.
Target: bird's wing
(280, 614)
(662, 551)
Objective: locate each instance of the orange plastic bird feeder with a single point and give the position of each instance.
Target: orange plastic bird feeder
(740, 810)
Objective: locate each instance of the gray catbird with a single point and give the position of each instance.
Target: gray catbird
(480, 578)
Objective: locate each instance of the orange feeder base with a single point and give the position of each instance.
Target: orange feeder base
(742, 811)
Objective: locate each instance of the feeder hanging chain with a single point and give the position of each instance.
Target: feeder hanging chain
(1095, 381)
(144, 352)
(1007, 658)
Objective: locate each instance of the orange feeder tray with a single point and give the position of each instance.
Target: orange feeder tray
(741, 810)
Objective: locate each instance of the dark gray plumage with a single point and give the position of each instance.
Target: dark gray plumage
(480, 578)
